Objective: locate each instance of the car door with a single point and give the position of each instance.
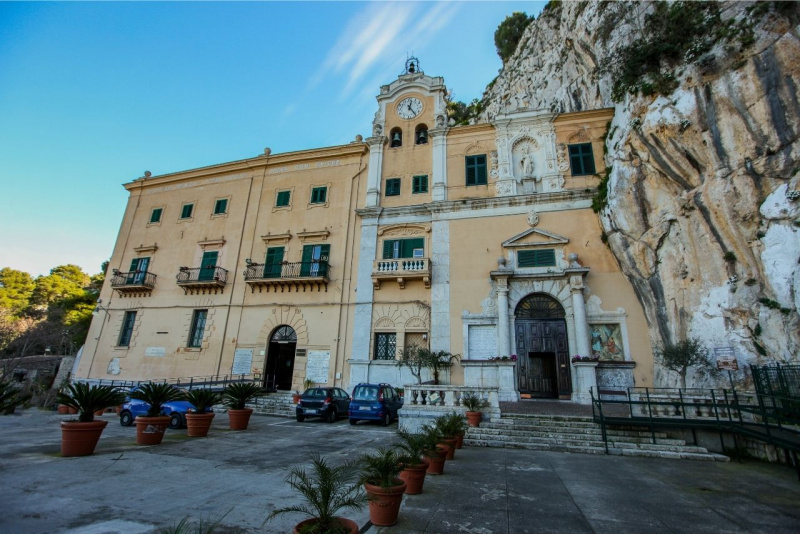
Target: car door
(342, 400)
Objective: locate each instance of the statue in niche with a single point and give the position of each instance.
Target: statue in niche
(526, 162)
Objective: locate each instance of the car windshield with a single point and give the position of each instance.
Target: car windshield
(366, 393)
(316, 393)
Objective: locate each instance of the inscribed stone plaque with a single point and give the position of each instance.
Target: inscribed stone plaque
(242, 361)
(482, 342)
(155, 352)
(318, 366)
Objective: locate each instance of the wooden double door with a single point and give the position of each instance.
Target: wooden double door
(543, 358)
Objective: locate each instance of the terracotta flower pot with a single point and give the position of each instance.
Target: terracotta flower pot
(459, 441)
(63, 410)
(150, 430)
(296, 398)
(474, 418)
(346, 523)
(384, 503)
(72, 411)
(451, 451)
(414, 477)
(436, 463)
(197, 424)
(239, 418)
(80, 439)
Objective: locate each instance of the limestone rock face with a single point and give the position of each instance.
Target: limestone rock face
(703, 212)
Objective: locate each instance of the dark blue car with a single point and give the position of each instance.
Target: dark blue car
(176, 410)
(374, 402)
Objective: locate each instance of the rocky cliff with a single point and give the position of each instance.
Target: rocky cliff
(702, 209)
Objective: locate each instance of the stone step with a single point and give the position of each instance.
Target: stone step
(578, 435)
(544, 417)
(548, 422)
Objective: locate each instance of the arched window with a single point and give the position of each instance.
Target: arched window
(396, 138)
(539, 306)
(284, 334)
(421, 135)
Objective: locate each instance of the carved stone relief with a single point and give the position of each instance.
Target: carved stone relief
(563, 160)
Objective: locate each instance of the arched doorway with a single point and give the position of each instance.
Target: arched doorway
(279, 368)
(540, 327)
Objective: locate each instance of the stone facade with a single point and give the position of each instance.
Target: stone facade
(429, 234)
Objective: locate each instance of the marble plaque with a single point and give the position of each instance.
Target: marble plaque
(482, 342)
(155, 352)
(318, 366)
(242, 362)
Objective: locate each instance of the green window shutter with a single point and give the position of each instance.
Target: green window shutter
(319, 195)
(283, 198)
(305, 266)
(420, 184)
(470, 171)
(221, 206)
(388, 249)
(324, 259)
(138, 270)
(186, 211)
(208, 265)
(134, 264)
(408, 246)
(481, 174)
(476, 169)
(198, 328)
(272, 265)
(581, 159)
(155, 215)
(127, 329)
(536, 258)
(392, 187)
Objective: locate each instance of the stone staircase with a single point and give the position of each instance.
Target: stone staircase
(278, 404)
(580, 434)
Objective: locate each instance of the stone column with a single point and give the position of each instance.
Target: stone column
(440, 285)
(362, 320)
(439, 167)
(375, 165)
(503, 325)
(579, 309)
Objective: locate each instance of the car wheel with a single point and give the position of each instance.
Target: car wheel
(332, 416)
(300, 417)
(353, 421)
(175, 421)
(387, 419)
(126, 418)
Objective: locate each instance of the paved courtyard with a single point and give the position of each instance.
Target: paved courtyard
(130, 489)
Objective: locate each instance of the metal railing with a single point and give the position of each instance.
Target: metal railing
(298, 269)
(192, 275)
(133, 279)
(192, 382)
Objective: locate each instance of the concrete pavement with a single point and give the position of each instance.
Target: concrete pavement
(126, 488)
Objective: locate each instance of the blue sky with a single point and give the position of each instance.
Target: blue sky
(93, 94)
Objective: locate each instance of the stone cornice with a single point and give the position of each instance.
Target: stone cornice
(277, 238)
(211, 242)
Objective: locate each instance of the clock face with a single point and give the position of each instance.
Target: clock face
(410, 107)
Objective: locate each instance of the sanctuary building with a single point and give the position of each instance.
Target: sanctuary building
(478, 240)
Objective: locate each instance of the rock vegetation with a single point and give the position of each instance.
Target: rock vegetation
(700, 203)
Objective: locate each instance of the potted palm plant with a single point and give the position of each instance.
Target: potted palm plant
(235, 397)
(448, 428)
(79, 438)
(379, 473)
(150, 428)
(413, 448)
(474, 404)
(437, 454)
(326, 490)
(198, 421)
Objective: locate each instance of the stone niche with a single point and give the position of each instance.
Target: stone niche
(526, 154)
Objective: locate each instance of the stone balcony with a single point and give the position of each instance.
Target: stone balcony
(401, 270)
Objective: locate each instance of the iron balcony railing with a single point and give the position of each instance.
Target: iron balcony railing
(195, 275)
(120, 280)
(287, 270)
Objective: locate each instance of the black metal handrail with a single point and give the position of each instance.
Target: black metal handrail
(298, 269)
(133, 279)
(192, 382)
(202, 274)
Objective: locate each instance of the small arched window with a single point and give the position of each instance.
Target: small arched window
(421, 135)
(396, 138)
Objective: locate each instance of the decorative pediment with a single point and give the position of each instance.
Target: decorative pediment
(211, 243)
(277, 238)
(535, 237)
(143, 249)
(317, 235)
(403, 229)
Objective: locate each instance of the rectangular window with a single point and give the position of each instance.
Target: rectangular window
(155, 215)
(283, 198)
(127, 329)
(138, 271)
(537, 258)
(272, 265)
(419, 184)
(315, 260)
(404, 248)
(221, 206)
(476, 169)
(186, 211)
(208, 265)
(385, 346)
(581, 159)
(198, 328)
(392, 187)
(319, 195)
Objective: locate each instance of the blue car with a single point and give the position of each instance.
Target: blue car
(176, 410)
(374, 402)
